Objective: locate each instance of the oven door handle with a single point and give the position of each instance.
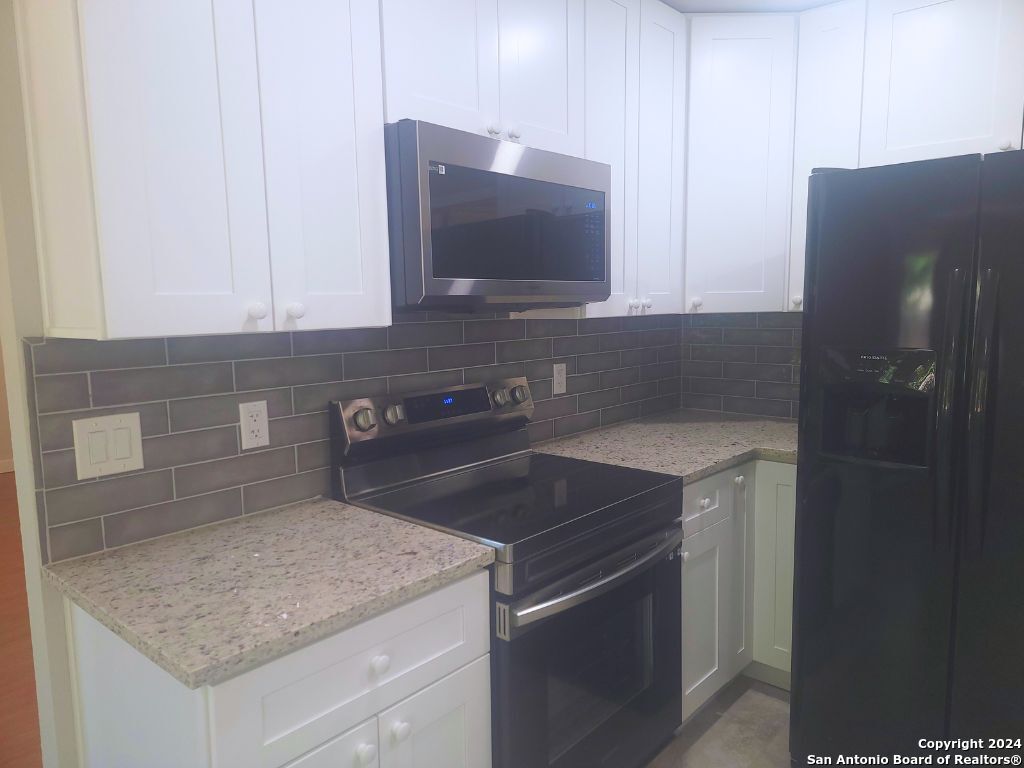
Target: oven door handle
(520, 617)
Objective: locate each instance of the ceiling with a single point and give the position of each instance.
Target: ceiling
(744, 6)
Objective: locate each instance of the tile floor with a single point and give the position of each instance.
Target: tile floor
(745, 726)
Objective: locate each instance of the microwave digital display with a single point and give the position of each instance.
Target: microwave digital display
(486, 225)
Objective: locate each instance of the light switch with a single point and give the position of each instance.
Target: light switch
(107, 445)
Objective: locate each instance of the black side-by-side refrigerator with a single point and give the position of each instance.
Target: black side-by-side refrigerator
(909, 581)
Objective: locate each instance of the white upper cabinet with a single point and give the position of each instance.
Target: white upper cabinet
(540, 54)
(830, 74)
(441, 62)
(942, 78)
(206, 166)
(173, 105)
(662, 157)
(612, 52)
(323, 134)
(742, 92)
(512, 69)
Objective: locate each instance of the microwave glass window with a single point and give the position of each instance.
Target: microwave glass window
(492, 226)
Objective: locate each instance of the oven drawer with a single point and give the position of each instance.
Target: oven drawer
(274, 714)
(712, 499)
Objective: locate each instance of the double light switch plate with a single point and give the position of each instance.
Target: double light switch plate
(107, 445)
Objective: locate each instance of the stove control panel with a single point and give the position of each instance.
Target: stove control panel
(385, 416)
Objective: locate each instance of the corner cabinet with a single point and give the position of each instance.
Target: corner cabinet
(742, 97)
(189, 165)
(942, 79)
(409, 688)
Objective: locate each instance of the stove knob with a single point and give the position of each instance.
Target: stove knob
(520, 394)
(364, 419)
(501, 398)
(394, 414)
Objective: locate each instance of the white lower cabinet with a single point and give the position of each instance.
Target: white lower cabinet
(734, 575)
(357, 748)
(409, 688)
(447, 724)
(775, 527)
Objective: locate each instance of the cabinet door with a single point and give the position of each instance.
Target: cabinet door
(323, 133)
(740, 161)
(612, 45)
(942, 79)
(738, 602)
(355, 749)
(830, 73)
(705, 561)
(447, 724)
(174, 116)
(774, 529)
(541, 67)
(441, 62)
(661, 159)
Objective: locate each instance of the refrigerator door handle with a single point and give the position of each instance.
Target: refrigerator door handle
(977, 415)
(956, 301)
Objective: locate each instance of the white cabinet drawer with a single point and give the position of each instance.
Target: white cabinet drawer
(273, 714)
(355, 749)
(707, 502)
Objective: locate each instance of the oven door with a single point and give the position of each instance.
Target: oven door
(591, 674)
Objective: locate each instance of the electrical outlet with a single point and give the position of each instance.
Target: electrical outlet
(558, 385)
(252, 417)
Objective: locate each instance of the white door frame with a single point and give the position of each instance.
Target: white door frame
(45, 607)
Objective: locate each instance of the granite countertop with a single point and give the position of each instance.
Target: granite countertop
(211, 603)
(689, 444)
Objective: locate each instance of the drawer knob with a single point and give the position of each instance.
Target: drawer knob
(380, 664)
(740, 480)
(705, 503)
(257, 310)
(400, 731)
(295, 310)
(366, 753)
(686, 556)
(798, 301)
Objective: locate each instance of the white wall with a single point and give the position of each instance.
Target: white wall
(6, 453)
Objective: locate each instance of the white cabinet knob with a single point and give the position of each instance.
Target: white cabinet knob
(494, 129)
(257, 310)
(1007, 145)
(366, 753)
(400, 731)
(740, 480)
(686, 556)
(634, 303)
(295, 310)
(798, 301)
(705, 503)
(380, 664)
(515, 133)
(648, 303)
(696, 302)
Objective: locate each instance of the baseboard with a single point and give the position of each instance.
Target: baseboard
(6, 465)
(777, 677)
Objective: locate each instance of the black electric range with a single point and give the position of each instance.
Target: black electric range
(586, 656)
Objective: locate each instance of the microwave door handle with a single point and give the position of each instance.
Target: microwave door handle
(522, 616)
(977, 414)
(949, 364)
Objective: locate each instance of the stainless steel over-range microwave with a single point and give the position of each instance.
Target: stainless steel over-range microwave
(481, 224)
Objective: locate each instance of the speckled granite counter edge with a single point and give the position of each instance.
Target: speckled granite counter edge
(242, 662)
(754, 454)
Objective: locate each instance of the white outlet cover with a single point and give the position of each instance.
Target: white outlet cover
(252, 421)
(107, 445)
(558, 385)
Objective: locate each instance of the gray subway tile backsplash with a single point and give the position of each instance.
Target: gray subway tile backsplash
(187, 391)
